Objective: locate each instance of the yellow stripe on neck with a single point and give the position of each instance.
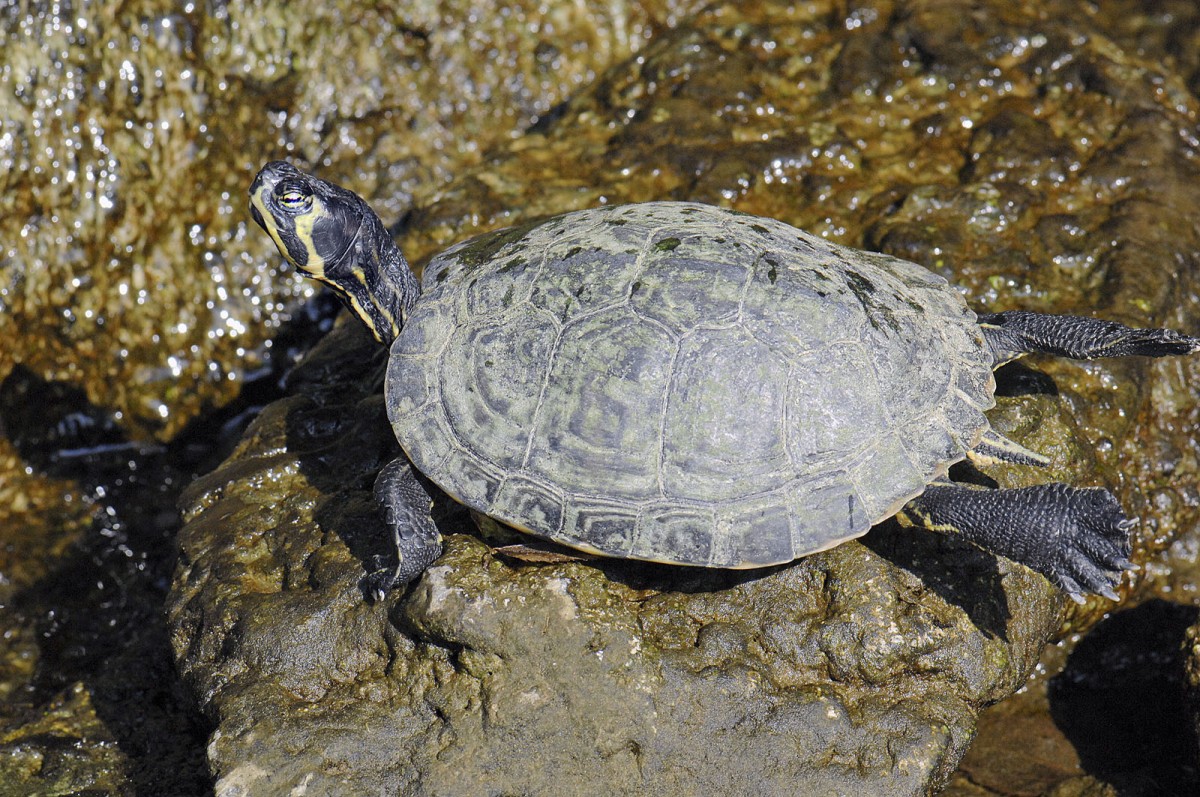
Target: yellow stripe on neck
(315, 263)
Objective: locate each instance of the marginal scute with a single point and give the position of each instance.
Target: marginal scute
(681, 383)
(828, 513)
(606, 528)
(758, 533)
(529, 504)
(412, 385)
(964, 419)
(478, 481)
(427, 438)
(667, 532)
(934, 441)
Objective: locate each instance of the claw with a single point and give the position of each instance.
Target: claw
(378, 583)
(1071, 587)
(1081, 541)
(1089, 575)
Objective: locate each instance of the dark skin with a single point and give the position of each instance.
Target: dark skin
(1084, 543)
(1076, 537)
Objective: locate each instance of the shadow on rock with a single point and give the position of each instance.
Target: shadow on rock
(97, 612)
(335, 424)
(58, 432)
(958, 572)
(97, 615)
(1018, 379)
(1121, 702)
(674, 578)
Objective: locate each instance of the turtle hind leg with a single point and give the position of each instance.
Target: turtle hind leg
(1017, 332)
(405, 505)
(1076, 537)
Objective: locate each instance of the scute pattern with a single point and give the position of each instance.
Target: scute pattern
(681, 383)
(607, 433)
(725, 408)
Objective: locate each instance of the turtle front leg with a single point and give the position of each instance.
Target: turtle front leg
(405, 505)
(1076, 537)
(1018, 332)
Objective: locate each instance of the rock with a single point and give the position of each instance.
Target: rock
(129, 135)
(65, 750)
(132, 303)
(973, 144)
(844, 672)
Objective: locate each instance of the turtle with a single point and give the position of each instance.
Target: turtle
(683, 383)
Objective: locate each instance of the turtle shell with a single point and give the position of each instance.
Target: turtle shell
(682, 383)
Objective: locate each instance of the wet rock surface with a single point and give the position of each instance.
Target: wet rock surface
(844, 672)
(130, 132)
(1035, 157)
(143, 327)
(1039, 156)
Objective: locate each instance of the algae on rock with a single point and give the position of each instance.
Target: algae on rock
(970, 143)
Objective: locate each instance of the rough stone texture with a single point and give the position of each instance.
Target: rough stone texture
(844, 673)
(129, 131)
(132, 301)
(1022, 152)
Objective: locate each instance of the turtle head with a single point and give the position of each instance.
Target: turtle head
(331, 235)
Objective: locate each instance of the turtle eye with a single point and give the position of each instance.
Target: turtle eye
(293, 199)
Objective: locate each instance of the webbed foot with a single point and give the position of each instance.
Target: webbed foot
(1092, 546)
(1076, 537)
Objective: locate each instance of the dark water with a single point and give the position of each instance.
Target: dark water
(97, 613)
